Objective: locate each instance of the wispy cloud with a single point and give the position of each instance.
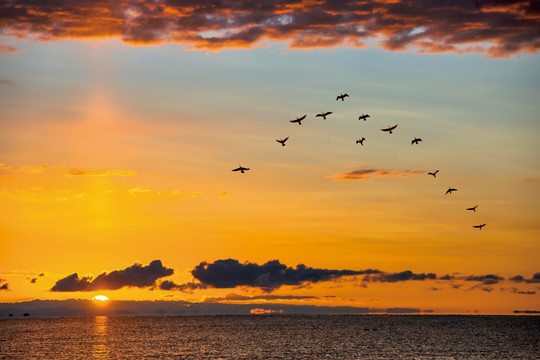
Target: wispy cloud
(399, 276)
(70, 172)
(365, 174)
(240, 298)
(7, 83)
(6, 48)
(494, 28)
(520, 292)
(136, 275)
(3, 285)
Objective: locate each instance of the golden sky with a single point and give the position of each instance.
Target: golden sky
(118, 142)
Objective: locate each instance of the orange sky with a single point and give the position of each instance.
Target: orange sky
(115, 155)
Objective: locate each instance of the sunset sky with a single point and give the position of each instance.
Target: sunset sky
(120, 123)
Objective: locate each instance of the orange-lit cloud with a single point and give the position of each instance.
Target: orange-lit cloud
(364, 174)
(70, 172)
(6, 48)
(495, 28)
(7, 83)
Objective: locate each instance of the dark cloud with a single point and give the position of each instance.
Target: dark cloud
(237, 297)
(268, 277)
(521, 292)
(482, 287)
(494, 28)
(489, 279)
(399, 276)
(534, 280)
(136, 275)
(186, 287)
(364, 174)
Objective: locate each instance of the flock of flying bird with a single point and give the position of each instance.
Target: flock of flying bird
(389, 129)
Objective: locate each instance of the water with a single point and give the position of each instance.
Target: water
(272, 337)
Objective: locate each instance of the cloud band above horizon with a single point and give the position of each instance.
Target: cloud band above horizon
(494, 28)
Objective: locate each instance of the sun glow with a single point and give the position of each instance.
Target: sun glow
(100, 298)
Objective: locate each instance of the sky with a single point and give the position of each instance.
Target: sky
(121, 122)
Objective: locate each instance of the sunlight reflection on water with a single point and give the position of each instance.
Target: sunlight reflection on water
(100, 348)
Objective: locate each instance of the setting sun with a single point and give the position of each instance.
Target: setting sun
(100, 298)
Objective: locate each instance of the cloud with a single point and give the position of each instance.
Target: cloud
(5, 48)
(364, 174)
(534, 280)
(230, 273)
(136, 275)
(399, 276)
(70, 172)
(482, 287)
(494, 28)
(238, 297)
(521, 292)
(7, 82)
(489, 279)
(186, 287)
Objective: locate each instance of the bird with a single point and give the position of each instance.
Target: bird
(479, 226)
(323, 114)
(389, 129)
(473, 208)
(241, 169)
(361, 141)
(363, 117)
(342, 97)
(449, 191)
(282, 141)
(433, 173)
(415, 141)
(298, 120)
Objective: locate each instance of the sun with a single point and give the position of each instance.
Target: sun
(100, 298)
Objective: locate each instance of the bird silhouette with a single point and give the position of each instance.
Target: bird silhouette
(433, 173)
(282, 141)
(342, 97)
(298, 120)
(415, 141)
(389, 129)
(363, 117)
(473, 208)
(361, 141)
(323, 114)
(479, 226)
(241, 169)
(449, 191)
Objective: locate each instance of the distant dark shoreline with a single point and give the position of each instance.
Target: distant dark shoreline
(84, 307)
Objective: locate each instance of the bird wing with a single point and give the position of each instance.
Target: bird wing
(287, 138)
(328, 113)
(393, 127)
(318, 115)
(298, 120)
(303, 117)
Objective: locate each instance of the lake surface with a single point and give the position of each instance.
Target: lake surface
(272, 337)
